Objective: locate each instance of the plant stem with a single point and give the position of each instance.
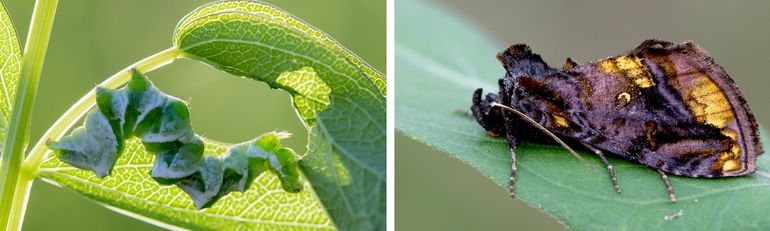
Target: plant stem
(66, 121)
(17, 132)
(21, 194)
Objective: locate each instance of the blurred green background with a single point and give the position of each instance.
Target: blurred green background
(92, 40)
(437, 192)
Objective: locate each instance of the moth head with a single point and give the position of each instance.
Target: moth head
(488, 116)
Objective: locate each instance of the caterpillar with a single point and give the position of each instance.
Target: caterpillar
(162, 122)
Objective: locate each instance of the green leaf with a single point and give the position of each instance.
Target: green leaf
(130, 190)
(441, 59)
(310, 93)
(345, 162)
(10, 68)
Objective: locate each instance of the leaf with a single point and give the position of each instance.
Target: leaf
(345, 162)
(441, 59)
(10, 68)
(310, 93)
(130, 190)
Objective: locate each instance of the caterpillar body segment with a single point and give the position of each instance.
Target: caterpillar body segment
(163, 124)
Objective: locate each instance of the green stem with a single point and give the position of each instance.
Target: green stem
(21, 194)
(18, 129)
(66, 121)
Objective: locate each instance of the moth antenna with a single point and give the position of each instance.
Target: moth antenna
(549, 133)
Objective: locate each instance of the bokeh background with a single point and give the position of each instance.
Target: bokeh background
(92, 40)
(437, 192)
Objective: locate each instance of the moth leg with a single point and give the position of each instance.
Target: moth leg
(610, 169)
(513, 143)
(671, 195)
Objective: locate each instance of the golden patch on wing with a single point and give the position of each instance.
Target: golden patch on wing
(731, 165)
(735, 150)
(630, 66)
(729, 160)
(707, 102)
(623, 99)
(608, 66)
(560, 121)
(730, 134)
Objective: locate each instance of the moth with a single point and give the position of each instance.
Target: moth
(163, 124)
(667, 106)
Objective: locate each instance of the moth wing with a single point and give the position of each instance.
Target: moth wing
(519, 60)
(652, 43)
(659, 88)
(690, 149)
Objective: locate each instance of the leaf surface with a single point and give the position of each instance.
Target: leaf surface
(441, 59)
(130, 190)
(10, 68)
(343, 108)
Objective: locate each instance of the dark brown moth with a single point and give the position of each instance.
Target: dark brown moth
(668, 106)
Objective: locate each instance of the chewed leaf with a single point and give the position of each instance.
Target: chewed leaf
(10, 68)
(310, 93)
(278, 37)
(338, 96)
(130, 189)
(163, 124)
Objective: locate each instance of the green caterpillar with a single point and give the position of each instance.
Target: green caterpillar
(163, 123)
